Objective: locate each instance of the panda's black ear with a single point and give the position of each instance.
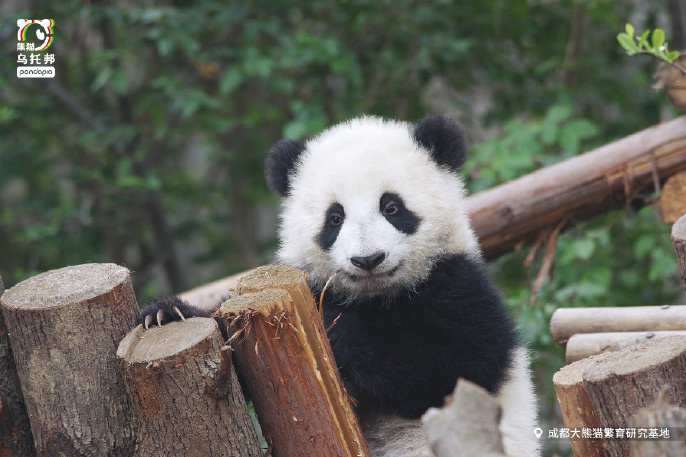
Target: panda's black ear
(444, 139)
(281, 160)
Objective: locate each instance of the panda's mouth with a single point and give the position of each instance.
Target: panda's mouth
(371, 276)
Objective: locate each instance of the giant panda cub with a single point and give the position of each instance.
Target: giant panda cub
(381, 204)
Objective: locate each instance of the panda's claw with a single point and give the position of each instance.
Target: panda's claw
(148, 321)
(180, 314)
(160, 315)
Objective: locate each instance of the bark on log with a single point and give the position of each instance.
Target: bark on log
(188, 403)
(679, 242)
(577, 189)
(577, 408)
(467, 425)
(661, 416)
(284, 355)
(673, 198)
(566, 322)
(15, 431)
(582, 345)
(620, 383)
(64, 327)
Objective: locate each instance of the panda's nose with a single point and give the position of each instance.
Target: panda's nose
(370, 262)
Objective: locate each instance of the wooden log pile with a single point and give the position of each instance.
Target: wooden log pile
(65, 326)
(610, 390)
(636, 379)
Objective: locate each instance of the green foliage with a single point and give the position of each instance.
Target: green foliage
(527, 145)
(656, 46)
(161, 114)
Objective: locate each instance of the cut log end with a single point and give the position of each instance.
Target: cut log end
(265, 302)
(679, 228)
(679, 242)
(170, 340)
(185, 393)
(637, 358)
(65, 286)
(270, 277)
(673, 198)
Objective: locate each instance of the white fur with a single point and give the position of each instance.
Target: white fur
(517, 398)
(354, 164)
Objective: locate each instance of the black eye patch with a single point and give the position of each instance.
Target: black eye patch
(396, 213)
(333, 221)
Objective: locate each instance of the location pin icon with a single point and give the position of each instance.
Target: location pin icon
(538, 432)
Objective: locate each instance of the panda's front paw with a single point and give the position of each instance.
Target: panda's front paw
(163, 311)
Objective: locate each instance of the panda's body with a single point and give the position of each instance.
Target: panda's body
(379, 206)
(411, 308)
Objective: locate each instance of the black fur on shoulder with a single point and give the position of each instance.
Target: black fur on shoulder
(406, 355)
(281, 160)
(444, 139)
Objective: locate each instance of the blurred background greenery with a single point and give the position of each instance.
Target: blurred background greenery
(147, 148)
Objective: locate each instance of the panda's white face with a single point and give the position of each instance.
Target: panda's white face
(366, 200)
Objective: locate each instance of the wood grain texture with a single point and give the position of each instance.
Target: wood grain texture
(582, 345)
(579, 188)
(172, 372)
(65, 326)
(15, 431)
(576, 407)
(286, 360)
(566, 322)
(620, 383)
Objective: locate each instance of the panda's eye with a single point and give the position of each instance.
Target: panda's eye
(390, 208)
(336, 219)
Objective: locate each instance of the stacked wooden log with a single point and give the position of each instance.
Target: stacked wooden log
(168, 393)
(626, 372)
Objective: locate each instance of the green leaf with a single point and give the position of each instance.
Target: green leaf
(627, 43)
(231, 80)
(658, 38)
(629, 30)
(574, 132)
(672, 56)
(643, 40)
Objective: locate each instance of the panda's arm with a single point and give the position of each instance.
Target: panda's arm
(170, 309)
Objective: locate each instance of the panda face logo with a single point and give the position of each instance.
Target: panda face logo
(41, 29)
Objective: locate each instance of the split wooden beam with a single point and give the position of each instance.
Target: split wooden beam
(64, 327)
(283, 353)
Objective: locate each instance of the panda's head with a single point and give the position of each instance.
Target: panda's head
(381, 201)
